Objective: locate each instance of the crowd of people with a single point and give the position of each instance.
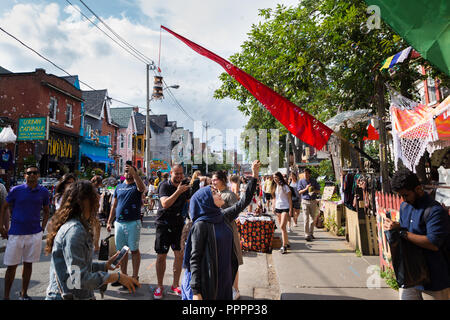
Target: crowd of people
(195, 217)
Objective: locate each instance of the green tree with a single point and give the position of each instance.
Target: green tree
(321, 56)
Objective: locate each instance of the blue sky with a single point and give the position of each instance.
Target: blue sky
(56, 30)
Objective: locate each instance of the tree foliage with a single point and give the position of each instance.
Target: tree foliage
(321, 56)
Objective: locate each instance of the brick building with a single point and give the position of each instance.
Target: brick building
(38, 94)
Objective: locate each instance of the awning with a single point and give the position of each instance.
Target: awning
(98, 159)
(348, 118)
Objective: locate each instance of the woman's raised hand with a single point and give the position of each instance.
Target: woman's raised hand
(255, 168)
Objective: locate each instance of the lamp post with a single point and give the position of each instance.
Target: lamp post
(147, 119)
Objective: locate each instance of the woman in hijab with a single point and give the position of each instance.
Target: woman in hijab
(210, 258)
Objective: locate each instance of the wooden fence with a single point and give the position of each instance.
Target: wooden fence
(386, 203)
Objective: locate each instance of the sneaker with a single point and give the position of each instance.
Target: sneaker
(288, 246)
(236, 294)
(283, 250)
(308, 238)
(176, 291)
(25, 297)
(312, 237)
(158, 293)
(289, 229)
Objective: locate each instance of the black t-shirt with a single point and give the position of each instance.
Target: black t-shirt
(171, 216)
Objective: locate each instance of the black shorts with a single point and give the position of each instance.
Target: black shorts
(281, 210)
(168, 237)
(268, 196)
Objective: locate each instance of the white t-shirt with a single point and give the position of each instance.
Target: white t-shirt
(282, 197)
(151, 189)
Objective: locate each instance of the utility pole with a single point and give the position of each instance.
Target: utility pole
(206, 147)
(147, 125)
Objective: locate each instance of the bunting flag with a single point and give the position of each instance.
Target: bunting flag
(300, 123)
(424, 24)
(372, 133)
(397, 58)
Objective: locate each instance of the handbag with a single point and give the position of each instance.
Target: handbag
(408, 260)
(106, 247)
(318, 221)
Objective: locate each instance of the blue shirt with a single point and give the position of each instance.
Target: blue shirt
(437, 230)
(302, 185)
(129, 201)
(26, 206)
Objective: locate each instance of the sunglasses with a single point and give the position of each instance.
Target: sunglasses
(32, 172)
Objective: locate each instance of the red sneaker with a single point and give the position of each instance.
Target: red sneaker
(158, 293)
(176, 291)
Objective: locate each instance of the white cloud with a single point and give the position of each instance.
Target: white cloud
(61, 34)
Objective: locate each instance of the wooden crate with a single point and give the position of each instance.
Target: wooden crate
(361, 232)
(276, 242)
(335, 213)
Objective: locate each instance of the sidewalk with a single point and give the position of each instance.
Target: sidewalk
(326, 269)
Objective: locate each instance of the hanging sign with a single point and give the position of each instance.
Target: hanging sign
(32, 129)
(159, 165)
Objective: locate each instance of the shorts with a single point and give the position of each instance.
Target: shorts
(128, 233)
(168, 237)
(23, 248)
(296, 204)
(281, 210)
(268, 196)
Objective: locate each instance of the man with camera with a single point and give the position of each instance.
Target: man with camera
(173, 194)
(308, 188)
(126, 209)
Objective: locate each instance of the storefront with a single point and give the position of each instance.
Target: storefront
(59, 155)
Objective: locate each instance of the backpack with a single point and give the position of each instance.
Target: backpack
(294, 195)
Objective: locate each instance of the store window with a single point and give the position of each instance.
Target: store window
(69, 115)
(53, 108)
(122, 141)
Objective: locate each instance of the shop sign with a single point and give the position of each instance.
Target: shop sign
(33, 129)
(59, 148)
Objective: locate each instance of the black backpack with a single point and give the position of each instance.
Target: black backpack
(294, 195)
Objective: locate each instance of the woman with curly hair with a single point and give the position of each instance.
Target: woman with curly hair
(73, 274)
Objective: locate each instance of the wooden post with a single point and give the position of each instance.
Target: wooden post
(380, 101)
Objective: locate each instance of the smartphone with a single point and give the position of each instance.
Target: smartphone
(388, 215)
(185, 182)
(119, 258)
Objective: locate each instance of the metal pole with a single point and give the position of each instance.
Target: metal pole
(206, 147)
(147, 126)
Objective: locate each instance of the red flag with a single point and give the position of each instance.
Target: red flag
(372, 133)
(300, 123)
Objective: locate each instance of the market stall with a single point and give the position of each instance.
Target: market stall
(256, 232)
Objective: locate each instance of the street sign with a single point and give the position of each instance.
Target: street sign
(32, 129)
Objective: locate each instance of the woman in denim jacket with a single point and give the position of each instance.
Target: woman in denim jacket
(73, 275)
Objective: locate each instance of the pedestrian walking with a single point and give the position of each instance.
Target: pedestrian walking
(269, 190)
(61, 187)
(73, 274)
(282, 207)
(293, 183)
(173, 195)
(126, 209)
(195, 181)
(97, 183)
(210, 258)
(25, 234)
(426, 224)
(219, 182)
(308, 188)
(4, 212)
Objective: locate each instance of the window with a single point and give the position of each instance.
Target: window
(69, 115)
(110, 138)
(129, 141)
(53, 108)
(122, 141)
(139, 164)
(121, 166)
(139, 145)
(421, 90)
(445, 92)
(88, 130)
(431, 91)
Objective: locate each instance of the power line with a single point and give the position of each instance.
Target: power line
(150, 61)
(55, 65)
(87, 18)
